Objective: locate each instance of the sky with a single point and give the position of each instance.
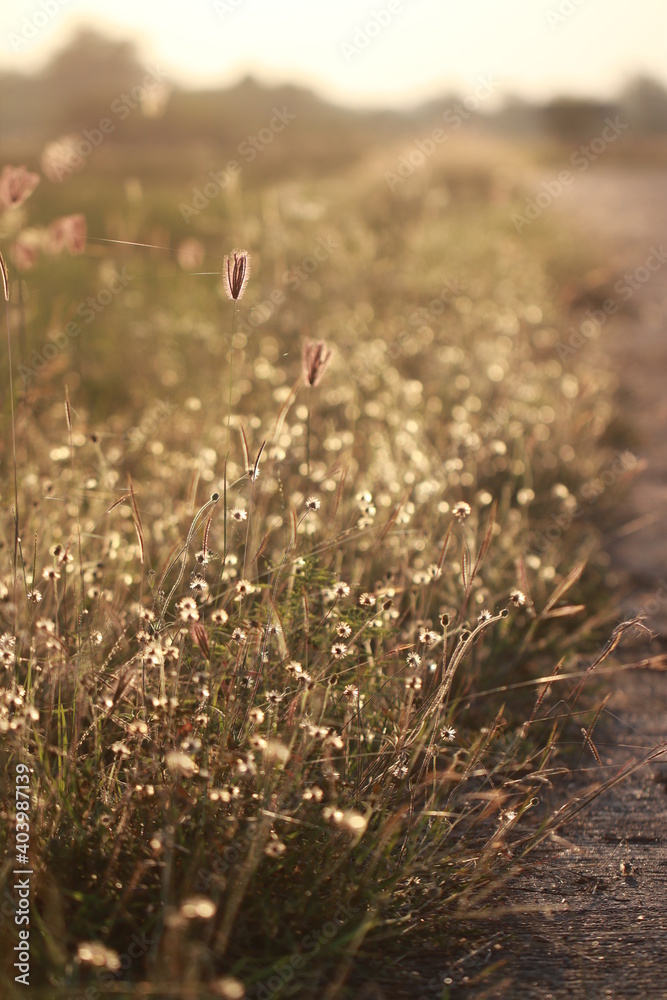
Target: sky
(378, 53)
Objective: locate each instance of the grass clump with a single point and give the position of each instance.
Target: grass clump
(277, 663)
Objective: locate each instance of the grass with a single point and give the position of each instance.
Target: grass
(283, 703)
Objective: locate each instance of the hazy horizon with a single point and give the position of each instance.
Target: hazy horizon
(396, 53)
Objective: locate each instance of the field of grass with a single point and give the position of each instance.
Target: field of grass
(274, 653)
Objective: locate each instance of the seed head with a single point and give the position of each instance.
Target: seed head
(5, 278)
(198, 584)
(235, 273)
(518, 598)
(68, 232)
(16, 184)
(316, 357)
(187, 609)
(461, 510)
(274, 848)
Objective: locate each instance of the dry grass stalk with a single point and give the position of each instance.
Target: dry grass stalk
(235, 272)
(316, 357)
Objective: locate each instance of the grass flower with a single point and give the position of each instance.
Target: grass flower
(235, 273)
(316, 357)
(16, 185)
(187, 610)
(461, 510)
(68, 233)
(517, 598)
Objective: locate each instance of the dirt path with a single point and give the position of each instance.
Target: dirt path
(628, 210)
(599, 929)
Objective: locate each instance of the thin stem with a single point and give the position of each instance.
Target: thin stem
(308, 434)
(22, 323)
(231, 373)
(76, 497)
(247, 534)
(16, 480)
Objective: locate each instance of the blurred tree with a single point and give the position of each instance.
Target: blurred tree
(574, 118)
(643, 102)
(89, 74)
